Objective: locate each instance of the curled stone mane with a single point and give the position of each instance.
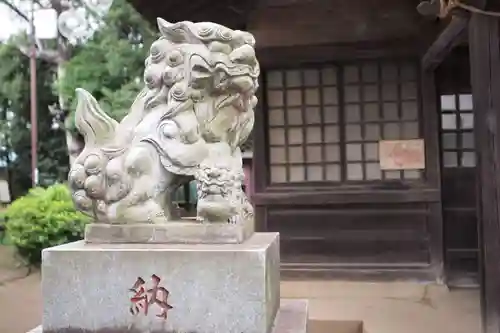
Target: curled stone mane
(189, 53)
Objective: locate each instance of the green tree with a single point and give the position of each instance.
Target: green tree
(15, 98)
(110, 65)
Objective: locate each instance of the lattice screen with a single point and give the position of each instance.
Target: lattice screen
(457, 131)
(325, 123)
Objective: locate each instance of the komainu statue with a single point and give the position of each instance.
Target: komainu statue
(196, 109)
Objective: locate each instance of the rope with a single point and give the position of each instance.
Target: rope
(448, 5)
(476, 10)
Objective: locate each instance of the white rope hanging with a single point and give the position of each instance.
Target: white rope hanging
(447, 5)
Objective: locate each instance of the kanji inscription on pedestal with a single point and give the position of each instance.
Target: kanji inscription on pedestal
(143, 298)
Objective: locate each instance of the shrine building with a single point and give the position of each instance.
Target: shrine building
(375, 146)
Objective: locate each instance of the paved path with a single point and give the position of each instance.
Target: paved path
(20, 305)
(20, 299)
(10, 268)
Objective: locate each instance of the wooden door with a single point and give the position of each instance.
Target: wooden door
(458, 160)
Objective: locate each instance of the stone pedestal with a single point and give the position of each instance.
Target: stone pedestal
(291, 318)
(210, 288)
(170, 233)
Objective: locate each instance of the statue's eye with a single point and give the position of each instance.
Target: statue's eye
(199, 75)
(199, 68)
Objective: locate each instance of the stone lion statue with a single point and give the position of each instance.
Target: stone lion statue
(188, 122)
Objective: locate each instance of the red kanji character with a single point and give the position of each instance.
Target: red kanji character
(140, 298)
(162, 300)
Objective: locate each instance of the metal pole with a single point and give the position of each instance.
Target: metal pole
(33, 99)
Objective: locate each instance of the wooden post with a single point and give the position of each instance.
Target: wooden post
(433, 174)
(485, 78)
(446, 42)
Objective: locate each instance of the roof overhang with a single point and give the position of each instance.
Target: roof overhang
(230, 13)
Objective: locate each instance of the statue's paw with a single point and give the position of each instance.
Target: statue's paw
(82, 201)
(215, 209)
(144, 212)
(158, 218)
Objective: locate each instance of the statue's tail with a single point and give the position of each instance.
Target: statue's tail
(86, 177)
(97, 128)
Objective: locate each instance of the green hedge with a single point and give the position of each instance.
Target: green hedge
(41, 219)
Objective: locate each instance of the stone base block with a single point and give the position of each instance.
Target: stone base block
(230, 288)
(291, 318)
(170, 233)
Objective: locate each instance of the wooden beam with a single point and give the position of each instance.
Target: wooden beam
(284, 56)
(484, 41)
(446, 41)
(223, 11)
(338, 197)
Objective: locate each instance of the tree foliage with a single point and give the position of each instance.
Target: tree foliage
(110, 65)
(15, 98)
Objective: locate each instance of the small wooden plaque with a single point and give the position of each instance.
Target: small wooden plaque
(402, 154)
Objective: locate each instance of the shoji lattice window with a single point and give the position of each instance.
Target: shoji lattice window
(304, 125)
(325, 123)
(457, 131)
(381, 102)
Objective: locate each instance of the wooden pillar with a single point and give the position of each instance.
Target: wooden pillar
(485, 78)
(433, 165)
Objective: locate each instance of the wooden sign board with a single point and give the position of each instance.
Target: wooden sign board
(402, 154)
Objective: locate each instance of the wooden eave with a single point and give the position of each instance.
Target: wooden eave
(230, 13)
